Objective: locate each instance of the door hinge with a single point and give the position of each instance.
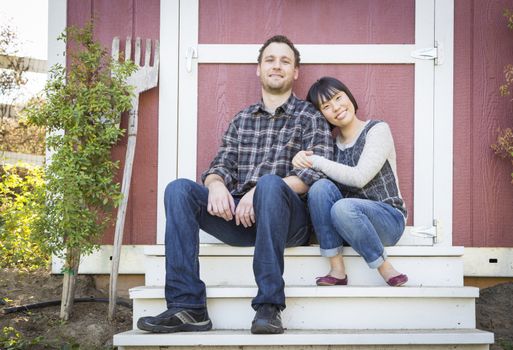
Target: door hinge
(432, 232)
(191, 53)
(435, 53)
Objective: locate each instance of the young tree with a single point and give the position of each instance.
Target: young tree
(81, 113)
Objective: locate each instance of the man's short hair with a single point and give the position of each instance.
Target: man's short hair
(283, 40)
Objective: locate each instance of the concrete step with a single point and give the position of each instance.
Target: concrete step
(334, 339)
(224, 265)
(338, 307)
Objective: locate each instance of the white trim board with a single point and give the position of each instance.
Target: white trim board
(100, 262)
(477, 262)
(488, 262)
(312, 54)
(168, 107)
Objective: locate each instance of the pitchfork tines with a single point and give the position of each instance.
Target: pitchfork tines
(146, 77)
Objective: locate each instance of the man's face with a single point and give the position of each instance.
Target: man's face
(277, 70)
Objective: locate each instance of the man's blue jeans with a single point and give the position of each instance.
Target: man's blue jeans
(366, 225)
(281, 221)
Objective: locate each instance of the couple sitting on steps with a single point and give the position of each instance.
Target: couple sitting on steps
(274, 155)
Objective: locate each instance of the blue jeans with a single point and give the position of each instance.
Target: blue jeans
(365, 224)
(281, 221)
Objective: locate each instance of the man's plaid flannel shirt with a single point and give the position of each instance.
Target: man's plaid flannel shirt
(257, 143)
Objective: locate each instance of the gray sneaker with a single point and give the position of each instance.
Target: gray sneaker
(176, 320)
(267, 320)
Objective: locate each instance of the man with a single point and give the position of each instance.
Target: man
(250, 197)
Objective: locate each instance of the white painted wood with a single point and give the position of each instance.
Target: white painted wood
(303, 270)
(316, 54)
(168, 106)
(488, 262)
(412, 337)
(443, 121)
(57, 19)
(316, 292)
(406, 308)
(313, 250)
(423, 111)
(188, 96)
(99, 262)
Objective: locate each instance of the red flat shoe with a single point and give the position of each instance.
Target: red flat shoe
(331, 281)
(398, 280)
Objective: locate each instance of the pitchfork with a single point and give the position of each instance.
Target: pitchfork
(145, 78)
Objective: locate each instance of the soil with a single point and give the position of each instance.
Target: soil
(494, 313)
(89, 328)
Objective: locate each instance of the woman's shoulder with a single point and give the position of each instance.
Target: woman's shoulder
(377, 126)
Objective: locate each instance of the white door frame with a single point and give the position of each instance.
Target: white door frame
(433, 103)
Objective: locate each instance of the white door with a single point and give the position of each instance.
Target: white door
(426, 61)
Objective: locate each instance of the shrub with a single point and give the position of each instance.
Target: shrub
(21, 197)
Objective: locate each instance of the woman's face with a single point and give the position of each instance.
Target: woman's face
(339, 111)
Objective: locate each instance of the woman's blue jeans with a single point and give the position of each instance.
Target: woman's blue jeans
(281, 221)
(366, 225)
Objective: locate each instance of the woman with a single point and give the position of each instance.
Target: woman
(360, 203)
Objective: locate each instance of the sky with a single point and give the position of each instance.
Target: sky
(29, 20)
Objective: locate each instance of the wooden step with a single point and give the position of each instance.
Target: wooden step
(338, 307)
(224, 265)
(335, 339)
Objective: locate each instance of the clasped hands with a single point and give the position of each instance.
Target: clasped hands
(221, 204)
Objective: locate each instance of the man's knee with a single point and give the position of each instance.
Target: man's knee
(270, 184)
(178, 189)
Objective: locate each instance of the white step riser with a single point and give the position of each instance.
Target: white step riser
(302, 270)
(342, 313)
(335, 339)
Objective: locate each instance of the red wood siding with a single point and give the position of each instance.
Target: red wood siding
(483, 195)
(136, 18)
(307, 22)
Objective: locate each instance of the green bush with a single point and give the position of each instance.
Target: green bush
(21, 197)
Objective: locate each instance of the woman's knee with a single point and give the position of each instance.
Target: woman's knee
(345, 210)
(320, 189)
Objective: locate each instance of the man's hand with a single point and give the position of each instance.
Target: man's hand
(244, 213)
(302, 160)
(220, 201)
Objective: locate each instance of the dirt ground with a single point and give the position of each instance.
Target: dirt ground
(89, 328)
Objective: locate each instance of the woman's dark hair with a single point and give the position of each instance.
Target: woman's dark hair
(325, 88)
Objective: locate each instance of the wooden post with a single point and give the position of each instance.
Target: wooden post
(68, 284)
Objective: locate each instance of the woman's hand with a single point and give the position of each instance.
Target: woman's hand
(302, 160)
